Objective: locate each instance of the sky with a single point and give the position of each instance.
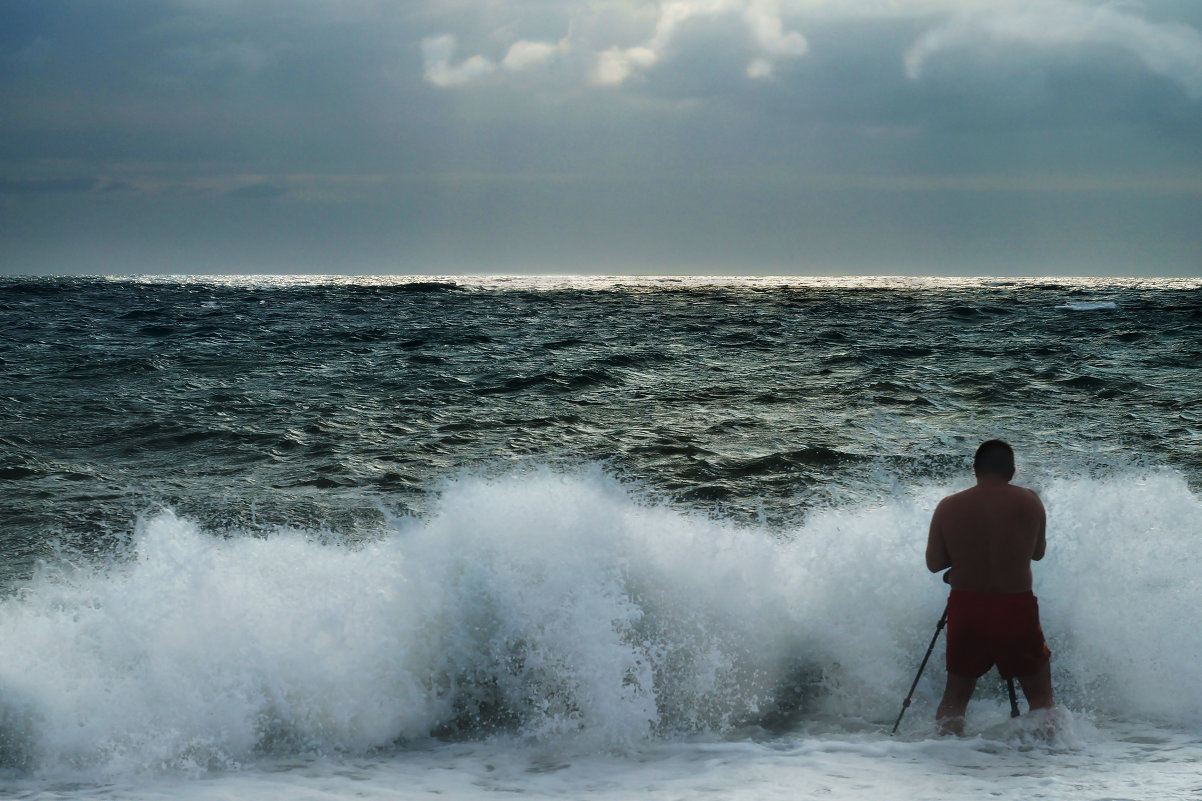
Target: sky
(746, 137)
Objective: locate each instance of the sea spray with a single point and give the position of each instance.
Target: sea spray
(536, 607)
(556, 609)
(1120, 593)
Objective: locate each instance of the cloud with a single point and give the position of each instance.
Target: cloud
(615, 65)
(39, 186)
(242, 56)
(613, 43)
(257, 191)
(761, 19)
(525, 55)
(437, 53)
(612, 63)
(1171, 50)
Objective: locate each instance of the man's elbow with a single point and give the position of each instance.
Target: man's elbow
(935, 563)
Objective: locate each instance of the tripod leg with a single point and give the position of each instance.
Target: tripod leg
(906, 703)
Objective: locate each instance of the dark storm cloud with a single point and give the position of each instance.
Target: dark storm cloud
(738, 135)
(46, 185)
(185, 84)
(258, 192)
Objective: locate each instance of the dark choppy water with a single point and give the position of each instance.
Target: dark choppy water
(348, 536)
(262, 401)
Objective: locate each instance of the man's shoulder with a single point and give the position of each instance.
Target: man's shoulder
(1026, 494)
(957, 497)
(975, 496)
(952, 507)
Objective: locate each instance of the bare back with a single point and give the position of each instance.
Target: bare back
(988, 535)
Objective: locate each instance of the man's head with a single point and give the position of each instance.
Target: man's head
(994, 457)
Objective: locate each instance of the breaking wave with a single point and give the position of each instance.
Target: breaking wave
(556, 608)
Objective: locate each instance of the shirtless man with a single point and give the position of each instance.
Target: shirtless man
(988, 536)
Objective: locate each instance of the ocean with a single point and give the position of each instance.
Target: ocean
(582, 537)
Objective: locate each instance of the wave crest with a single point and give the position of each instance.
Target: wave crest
(550, 606)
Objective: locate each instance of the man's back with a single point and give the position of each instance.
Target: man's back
(988, 535)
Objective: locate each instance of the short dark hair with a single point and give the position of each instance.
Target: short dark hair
(994, 457)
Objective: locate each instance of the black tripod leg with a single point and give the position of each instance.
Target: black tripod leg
(906, 703)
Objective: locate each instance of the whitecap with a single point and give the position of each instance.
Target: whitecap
(1089, 305)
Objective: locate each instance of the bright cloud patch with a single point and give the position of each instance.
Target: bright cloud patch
(437, 53)
(760, 18)
(613, 63)
(1171, 50)
(526, 55)
(611, 42)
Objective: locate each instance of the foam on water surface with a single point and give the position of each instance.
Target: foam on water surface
(1132, 762)
(1089, 305)
(557, 611)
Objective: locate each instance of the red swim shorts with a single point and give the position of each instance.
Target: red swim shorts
(994, 628)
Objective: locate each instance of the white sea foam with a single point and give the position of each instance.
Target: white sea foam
(1121, 595)
(552, 609)
(1089, 305)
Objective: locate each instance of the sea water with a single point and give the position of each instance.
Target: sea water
(598, 538)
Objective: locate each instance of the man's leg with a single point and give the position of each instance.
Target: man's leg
(1038, 687)
(950, 716)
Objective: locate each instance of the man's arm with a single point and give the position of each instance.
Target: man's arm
(1041, 540)
(937, 556)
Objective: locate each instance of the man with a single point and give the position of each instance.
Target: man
(988, 536)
